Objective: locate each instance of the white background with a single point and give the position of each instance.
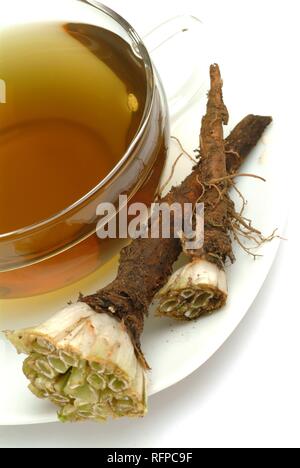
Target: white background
(247, 395)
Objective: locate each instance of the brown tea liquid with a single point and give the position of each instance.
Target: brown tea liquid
(71, 111)
(75, 99)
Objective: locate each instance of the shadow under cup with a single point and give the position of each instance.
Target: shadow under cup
(65, 248)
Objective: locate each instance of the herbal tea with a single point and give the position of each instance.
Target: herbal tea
(75, 96)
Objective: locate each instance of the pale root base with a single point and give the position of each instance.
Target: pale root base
(85, 363)
(196, 289)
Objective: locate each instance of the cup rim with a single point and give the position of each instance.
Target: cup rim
(123, 160)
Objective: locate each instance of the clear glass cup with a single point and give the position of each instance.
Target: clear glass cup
(64, 248)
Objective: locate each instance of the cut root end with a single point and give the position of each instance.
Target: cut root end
(89, 371)
(195, 290)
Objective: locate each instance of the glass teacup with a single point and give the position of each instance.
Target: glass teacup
(64, 248)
